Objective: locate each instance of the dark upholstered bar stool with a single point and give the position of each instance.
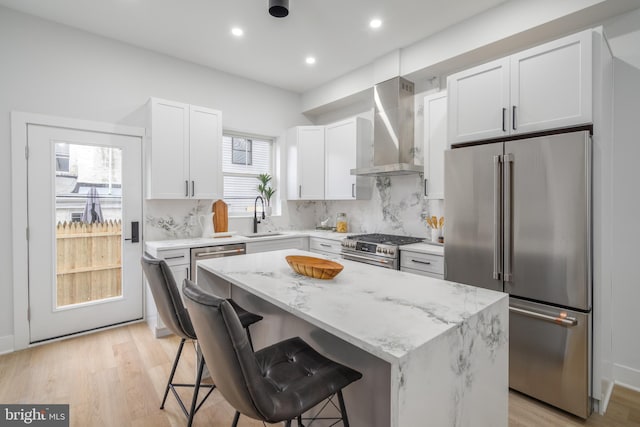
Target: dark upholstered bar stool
(174, 315)
(274, 384)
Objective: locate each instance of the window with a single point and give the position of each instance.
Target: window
(62, 157)
(241, 151)
(243, 159)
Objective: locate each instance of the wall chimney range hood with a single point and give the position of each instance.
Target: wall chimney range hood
(393, 141)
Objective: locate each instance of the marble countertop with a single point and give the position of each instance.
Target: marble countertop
(387, 313)
(156, 245)
(426, 248)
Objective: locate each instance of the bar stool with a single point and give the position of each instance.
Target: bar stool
(277, 383)
(174, 315)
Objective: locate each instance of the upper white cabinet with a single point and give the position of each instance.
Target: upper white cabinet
(435, 143)
(320, 159)
(344, 142)
(183, 158)
(542, 88)
(478, 100)
(305, 163)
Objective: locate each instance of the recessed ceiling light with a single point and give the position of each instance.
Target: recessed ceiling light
(237, 31)
(310, 60)
(375, 23)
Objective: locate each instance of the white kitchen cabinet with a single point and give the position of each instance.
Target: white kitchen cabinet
(431, 265)
(305, 163)
(327, 247)
(183, 151)
(478, 99)
(345, 142)
(542, 88)
(297, 242)
(435, 143)
(551, 85)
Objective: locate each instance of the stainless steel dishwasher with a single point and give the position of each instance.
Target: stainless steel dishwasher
(207, 252)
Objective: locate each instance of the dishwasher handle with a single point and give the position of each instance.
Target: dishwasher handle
(215, 254)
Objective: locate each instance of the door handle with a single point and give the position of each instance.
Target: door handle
(425, 188)
(504, 125)
(513, 117)
(135, 232)
(508, 162)
(417, 261)
(497, 231)
(561, 319)
(186, 188)
(193, 188)
(353, 191)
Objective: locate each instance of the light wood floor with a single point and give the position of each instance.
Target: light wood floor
(117, 377)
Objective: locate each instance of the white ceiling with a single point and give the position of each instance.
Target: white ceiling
(272, 50)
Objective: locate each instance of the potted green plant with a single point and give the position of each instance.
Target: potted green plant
(265, 190)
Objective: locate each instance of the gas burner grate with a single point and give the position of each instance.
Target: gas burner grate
(386, 239)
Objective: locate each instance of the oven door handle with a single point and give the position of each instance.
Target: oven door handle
(367, 260)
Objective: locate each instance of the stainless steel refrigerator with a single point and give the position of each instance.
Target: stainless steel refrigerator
(518, 220)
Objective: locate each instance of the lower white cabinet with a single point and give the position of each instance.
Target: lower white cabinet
(421, 263)
(327, 247)
(179, 263)
(299, 242)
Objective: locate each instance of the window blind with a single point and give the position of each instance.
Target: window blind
(241, 180)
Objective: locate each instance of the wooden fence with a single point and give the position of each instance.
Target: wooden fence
(89, 261)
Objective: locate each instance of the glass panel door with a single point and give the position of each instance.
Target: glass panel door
(84, 195)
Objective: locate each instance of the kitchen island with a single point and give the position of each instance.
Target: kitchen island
(431, 352)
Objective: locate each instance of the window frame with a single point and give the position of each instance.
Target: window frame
(275, 200)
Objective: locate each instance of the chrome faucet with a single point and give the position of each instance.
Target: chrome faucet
(256, 221)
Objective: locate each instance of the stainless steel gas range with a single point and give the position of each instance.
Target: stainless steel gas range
(376, 249)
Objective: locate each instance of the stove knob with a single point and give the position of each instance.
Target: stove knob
(391, 251)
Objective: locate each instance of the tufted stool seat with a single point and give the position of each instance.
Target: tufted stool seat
(277, 383)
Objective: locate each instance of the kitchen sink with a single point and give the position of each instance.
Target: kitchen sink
(251, 236)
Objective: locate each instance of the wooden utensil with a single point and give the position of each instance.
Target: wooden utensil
(220, 217)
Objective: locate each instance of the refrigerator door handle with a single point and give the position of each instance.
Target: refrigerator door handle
(497, 233)
(560, 319)
(507, 160)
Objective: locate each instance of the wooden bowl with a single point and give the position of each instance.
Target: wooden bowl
(318, 268)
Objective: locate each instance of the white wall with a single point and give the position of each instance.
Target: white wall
(625, 294)
(55, 70)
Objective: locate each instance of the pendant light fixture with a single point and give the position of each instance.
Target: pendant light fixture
(279, 8)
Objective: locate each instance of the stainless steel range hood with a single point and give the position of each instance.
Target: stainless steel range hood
(393, 145)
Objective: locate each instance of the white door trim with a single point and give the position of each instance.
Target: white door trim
(20, 249)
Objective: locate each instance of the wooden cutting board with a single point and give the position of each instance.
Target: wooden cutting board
(220, 217)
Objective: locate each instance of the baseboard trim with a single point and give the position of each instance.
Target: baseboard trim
(606, 396)
(626, 377)
(6, 344)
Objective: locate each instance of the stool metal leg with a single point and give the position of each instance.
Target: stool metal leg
(173, 371)
(343, 409)
(196, 388)
(288, 423)
(300, 421)
(236, 417)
